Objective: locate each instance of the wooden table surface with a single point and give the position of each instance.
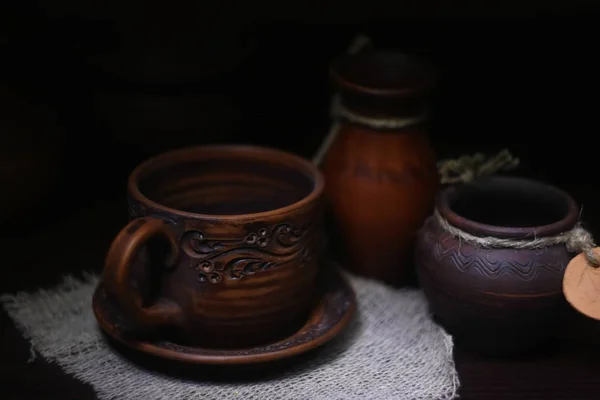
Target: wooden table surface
(79, 241)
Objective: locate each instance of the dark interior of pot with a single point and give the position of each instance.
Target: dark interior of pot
(226, 186)
(384, 70)
(509, 202)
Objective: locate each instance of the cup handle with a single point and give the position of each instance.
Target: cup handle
(119, 259)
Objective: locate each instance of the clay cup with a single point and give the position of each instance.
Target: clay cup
(222, 248)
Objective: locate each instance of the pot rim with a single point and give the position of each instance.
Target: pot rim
(480, 229)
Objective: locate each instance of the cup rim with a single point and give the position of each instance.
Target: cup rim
(299, 163)
(481, 229)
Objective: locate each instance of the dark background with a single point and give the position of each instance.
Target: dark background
(90, 89)
(121, 84)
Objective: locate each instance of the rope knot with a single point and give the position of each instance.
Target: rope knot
(581, 241)
(467, 168)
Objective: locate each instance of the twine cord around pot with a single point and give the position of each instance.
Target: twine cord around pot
(466, 169)
(577, 240)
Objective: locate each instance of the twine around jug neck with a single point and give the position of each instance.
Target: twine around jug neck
(357, 45)
(338, 113)
(465, 169)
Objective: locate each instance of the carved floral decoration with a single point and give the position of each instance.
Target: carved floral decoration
(258, 251)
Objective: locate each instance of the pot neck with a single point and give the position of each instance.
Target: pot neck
(382, 107)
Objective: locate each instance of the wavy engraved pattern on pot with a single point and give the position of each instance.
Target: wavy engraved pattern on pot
(258, 251)
(493, 269)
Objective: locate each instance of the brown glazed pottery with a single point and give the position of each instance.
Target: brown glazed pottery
(333, 311)
(381, 182)
(223, 245)
(501, 302)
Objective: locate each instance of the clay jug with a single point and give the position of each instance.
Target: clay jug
(380, 169)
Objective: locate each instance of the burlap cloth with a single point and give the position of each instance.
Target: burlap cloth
(392, 350)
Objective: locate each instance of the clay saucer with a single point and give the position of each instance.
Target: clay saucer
(334, 308)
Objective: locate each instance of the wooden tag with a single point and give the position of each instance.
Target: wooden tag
(581, 286)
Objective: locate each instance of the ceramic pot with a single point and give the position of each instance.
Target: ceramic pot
(497, 301)
(381, 181)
